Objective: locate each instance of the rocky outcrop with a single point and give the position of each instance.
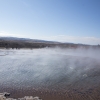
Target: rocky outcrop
(4, 96)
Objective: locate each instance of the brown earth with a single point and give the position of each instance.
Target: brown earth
(71, 92)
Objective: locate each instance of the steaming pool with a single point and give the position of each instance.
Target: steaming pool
(57, 70)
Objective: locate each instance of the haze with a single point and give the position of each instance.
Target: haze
(47, 67)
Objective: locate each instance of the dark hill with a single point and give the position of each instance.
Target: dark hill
(13, 42)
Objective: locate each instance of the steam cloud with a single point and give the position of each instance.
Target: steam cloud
(48, 67)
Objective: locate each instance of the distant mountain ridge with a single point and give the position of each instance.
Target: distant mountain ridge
(26, 40)
(14, 42)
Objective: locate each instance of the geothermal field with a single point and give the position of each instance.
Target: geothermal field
(51, 73)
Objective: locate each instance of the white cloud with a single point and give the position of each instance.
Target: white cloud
(59, 38)
(74, 39)
(6, 34)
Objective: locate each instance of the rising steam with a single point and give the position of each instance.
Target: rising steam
(48, 67)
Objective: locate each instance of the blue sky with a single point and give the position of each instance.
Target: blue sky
(76, 21)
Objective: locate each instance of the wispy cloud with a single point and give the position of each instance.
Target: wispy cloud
(59, 38)
(74, 39)
(7, 34)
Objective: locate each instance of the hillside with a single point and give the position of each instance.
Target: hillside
(13, 42)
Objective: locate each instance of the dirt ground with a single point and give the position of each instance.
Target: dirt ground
(69, 93)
